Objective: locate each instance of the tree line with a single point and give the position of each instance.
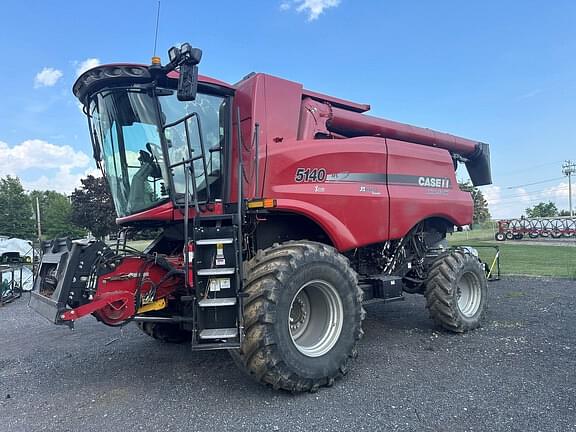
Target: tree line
(88, 209)
(545, 209)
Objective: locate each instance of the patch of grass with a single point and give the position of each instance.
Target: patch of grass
(515, 294)
(523, 259)
(484, 234)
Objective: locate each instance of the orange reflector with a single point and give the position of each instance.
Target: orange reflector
(263, 203)
(155, 60)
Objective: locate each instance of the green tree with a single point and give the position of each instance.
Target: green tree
(542, 209)
(564, 213)
(481, 212)
(16, 218)
(55, 215)
(93, 208)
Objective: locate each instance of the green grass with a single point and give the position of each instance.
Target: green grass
(517, 258)
(483, 234)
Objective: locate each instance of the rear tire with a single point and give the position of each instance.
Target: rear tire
(456, 291)
(303, 316)
(500, 236)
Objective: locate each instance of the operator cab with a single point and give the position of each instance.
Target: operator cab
(145, 136)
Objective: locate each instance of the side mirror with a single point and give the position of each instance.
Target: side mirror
(188, 82)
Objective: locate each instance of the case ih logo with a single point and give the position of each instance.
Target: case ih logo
(420, 181)
(435, 182)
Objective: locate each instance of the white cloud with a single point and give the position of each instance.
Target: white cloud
(37, 153)
(531, 94)
(47, 77)
(512, 203)
(492, 194)
(63, 182)
(60, 167)
(559, 191)
(313, 8)
(83, 66)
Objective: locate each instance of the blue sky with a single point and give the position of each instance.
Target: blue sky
(499, 72)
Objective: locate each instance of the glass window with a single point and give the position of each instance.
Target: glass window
(210, 111)
(124, 123)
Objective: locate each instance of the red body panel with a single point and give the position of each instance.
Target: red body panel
(352, 213)
(360, 201)
(166, 212)
(412, 203)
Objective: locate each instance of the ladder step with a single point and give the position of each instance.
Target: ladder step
(224, 301)
(203, 242)
(216, 271)
(219, 333)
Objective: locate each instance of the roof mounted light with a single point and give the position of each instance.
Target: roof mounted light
(185, 48)
(185, 54)
(186, 60)
(173, 54)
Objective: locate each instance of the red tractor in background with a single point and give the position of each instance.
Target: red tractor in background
(282, 212)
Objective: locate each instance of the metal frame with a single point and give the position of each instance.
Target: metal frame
(14, 290)
(493, 270)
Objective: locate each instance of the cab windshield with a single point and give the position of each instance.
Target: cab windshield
(127, 133)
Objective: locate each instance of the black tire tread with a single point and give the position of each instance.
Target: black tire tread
(167, 333)
(440, 298)
(267, 270)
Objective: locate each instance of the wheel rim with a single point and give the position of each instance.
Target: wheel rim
(315, 319)
(469, 294)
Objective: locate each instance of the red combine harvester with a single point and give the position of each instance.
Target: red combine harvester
(282, 211)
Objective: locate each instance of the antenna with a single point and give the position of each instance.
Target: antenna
(156, 33)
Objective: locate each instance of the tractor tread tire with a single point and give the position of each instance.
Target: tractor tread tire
(266, 275)
(167, 333)
(440, 293)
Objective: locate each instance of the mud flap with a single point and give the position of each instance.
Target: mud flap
(66, 272)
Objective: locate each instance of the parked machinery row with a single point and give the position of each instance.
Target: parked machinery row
(554, 227)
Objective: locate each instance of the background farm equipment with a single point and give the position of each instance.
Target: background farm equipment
(552, 227)
(13, 279)
(17, 258)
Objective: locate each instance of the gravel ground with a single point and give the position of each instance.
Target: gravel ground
(517, 373)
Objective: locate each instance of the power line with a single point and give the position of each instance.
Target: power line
(532, 192)
(535, 183)
(529, 168)
(505, 203)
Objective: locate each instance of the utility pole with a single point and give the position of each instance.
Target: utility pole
(568, 169)
(38, 219)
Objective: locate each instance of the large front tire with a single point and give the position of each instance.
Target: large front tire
(303, 316)
(456, 291)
